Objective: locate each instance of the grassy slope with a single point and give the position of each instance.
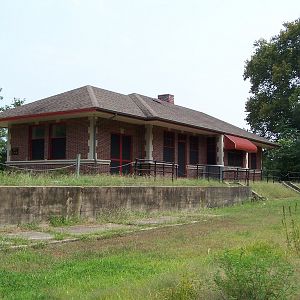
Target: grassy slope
(19, 179)
(141, 265)
(273, 190)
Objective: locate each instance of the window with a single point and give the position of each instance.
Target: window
(253, 159)
(57, 141)
(120, 154)
(194, 150)
(169, 147)
(235, 158)
(37, 143)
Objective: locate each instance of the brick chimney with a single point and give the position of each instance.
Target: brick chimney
(167, 98)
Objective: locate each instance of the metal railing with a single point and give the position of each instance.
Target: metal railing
(146, 167)
(293, 176)
(208, 172)
(245, 175)
(272, 175)
(155, 168)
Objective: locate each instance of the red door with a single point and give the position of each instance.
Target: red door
(121, 154)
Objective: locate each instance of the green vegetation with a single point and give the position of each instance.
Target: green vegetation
(27, 179)
(166, 263)
(57, 221)
(291, 227)
(258, 271)
(273, 107)
(3, 131)
(271, 190)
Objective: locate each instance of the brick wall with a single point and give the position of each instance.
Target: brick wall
(106, 127)
(158, 144)
(76, 139)
(19, 140)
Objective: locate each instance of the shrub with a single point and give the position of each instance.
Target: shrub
(58, 221)
(257, 272)
(292, 230)
(185, 289)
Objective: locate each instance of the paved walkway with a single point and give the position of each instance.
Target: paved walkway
(87, 229)
(31, 235)
(18, 236)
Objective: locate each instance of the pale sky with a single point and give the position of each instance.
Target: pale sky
(195, 50)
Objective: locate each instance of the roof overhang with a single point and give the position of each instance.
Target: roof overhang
(237, 143)
(6, 122)
(76, 113)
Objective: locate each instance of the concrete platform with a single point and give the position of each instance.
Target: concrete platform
(154, 221)
(86, 229)
(31, 235)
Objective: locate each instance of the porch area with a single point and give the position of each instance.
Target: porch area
(120, 146)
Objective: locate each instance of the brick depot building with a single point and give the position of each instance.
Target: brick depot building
(110, 130)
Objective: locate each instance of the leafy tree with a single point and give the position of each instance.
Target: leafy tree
(286, 158)
(274, 74)
(273, 109)
(3, 131)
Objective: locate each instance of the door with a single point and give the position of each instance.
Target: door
(181, 155)
(120, 154)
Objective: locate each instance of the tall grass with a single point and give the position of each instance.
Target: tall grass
(259, 271)
(271, 190)
(27, 179)
(291, 228)
(167, 263)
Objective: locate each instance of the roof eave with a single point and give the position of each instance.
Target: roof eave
(148, 119)
(57, 113)
(271, 144)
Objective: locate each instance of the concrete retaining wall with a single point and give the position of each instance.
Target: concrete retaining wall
(27, 204)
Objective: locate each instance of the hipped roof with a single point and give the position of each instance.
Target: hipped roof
(132, 105)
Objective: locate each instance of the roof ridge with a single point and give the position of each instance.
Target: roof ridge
(142, 104)
(92, 96)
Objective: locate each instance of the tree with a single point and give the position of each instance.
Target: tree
(286, 158)
(3, 131)
(274, 74)
(273, 109)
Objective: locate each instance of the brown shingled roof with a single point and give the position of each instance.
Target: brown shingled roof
(134, 105)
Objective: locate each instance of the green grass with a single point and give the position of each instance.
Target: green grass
(153, 264)
(272, 190)
(22, 179)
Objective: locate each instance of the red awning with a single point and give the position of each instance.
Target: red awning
(236, 143)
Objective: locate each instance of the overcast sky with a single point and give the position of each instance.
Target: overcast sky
(195, 50)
